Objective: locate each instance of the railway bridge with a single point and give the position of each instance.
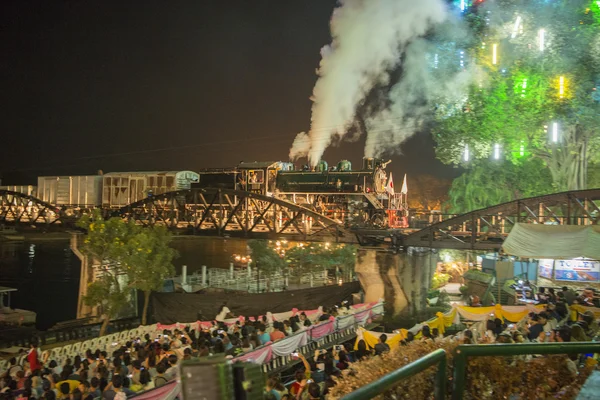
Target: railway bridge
(234, 213)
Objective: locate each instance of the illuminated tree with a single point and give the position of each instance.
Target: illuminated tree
(537, 98)
(267, 260)
(105, 244)
(148, 261)
(489, 184)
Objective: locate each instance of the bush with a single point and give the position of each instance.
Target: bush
(487, 377)
(439, 280)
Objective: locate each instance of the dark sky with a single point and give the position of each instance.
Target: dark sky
(150, 85)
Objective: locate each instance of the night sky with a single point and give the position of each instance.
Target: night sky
(156, 85)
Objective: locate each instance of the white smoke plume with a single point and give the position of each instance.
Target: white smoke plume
(414, 96)
(369, 37)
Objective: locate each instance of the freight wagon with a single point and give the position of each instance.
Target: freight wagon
(81, 191)
(123, 188)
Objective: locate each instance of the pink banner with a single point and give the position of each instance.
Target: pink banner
(165, 392)
(260, 356)
(318, 331)
(362, 316)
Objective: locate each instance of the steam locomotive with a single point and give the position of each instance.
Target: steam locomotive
(356, 197)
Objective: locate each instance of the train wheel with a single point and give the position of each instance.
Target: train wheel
(378, 220)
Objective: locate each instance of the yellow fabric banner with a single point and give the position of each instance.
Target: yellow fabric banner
(442, 321)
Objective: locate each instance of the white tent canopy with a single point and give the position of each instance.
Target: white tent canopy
(553, 241)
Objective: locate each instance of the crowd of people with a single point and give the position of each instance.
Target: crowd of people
(150, 362)
(145, 363)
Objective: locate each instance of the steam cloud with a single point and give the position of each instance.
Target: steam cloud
(369, 38)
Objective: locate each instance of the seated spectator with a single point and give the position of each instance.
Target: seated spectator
(382, 346)
(426, 332)
(145, 382)
(263, 336)
(171, 371)
(361, 351)
(342, 360)
(277, 333)
(274, 387)
(114, 387)
(95, 387)
(160, 379)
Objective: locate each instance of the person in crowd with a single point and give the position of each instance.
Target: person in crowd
(145, 382)
(115, 386)
(277, 333)
(95, 387)
(274, 387)
(382, 346)
(569, 295)
(536, 326)
(551, 295)
(287, 327)
(263, 336)
(12, 369)
(33, 358)
(342, 360)
(160, 379)
(426, 332)
(299, 378)
(361, 351)
(172, 370)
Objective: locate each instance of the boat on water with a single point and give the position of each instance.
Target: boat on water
(11, 234)
(13, 316)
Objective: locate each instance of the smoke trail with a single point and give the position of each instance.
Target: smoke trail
(413, 98)
(368, 38)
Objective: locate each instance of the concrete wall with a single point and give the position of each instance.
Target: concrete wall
(402, 280)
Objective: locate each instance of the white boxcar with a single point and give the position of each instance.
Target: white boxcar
(123, 188)
(25, 189)
(82, 191)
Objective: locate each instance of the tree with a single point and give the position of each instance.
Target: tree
(539, 100)
(474, 189)
(105, 243)
(316, 258)
(266, 259)
(148, 261)
(427, 192)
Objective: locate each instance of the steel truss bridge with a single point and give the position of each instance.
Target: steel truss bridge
(211, 212)
(487, 228)
(220, 212)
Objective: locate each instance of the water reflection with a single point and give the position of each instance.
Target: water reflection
(46, 273)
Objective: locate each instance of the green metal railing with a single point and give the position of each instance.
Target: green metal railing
(461, 355)
(392, 379)
(463, 352)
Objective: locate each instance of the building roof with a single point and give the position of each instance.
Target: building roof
(257, 164)
(146, 173)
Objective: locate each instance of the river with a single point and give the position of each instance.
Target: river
(46, 272)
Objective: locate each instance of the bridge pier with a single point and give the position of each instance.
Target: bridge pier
(401, 279)
(86, 277)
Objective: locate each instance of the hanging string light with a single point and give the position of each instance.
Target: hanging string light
(542, 39)
(561, 87)
(516, 27)
(555, 132)
(495, 53)
(496, 151)
(467, 155)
